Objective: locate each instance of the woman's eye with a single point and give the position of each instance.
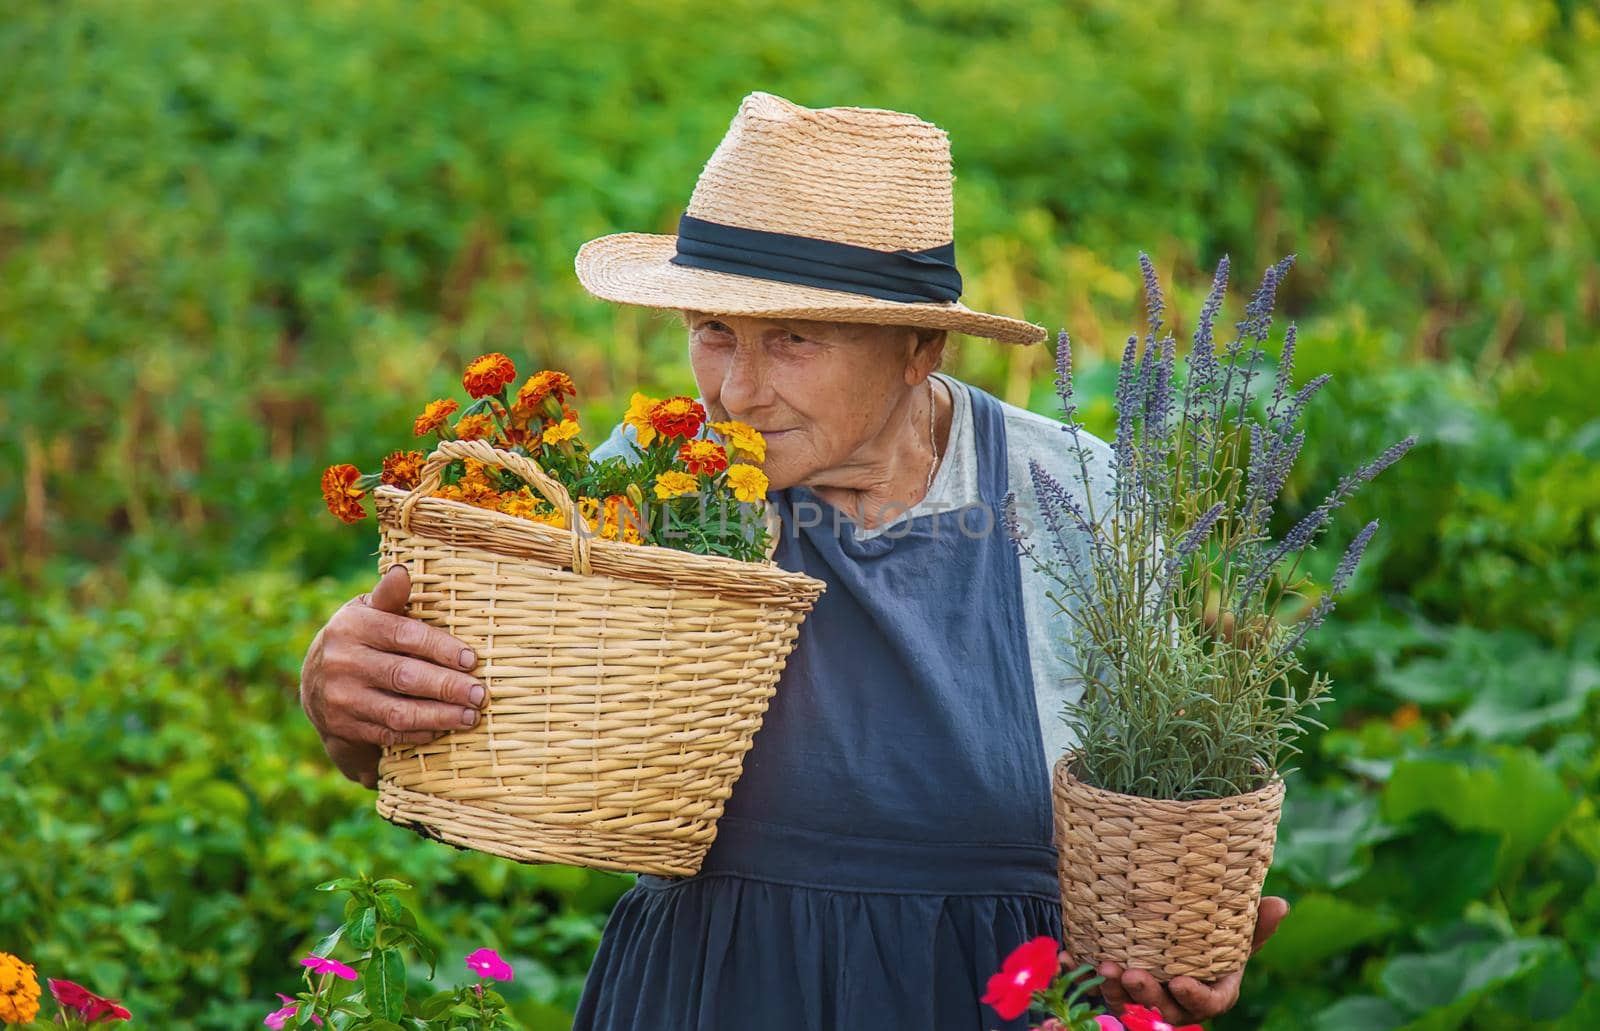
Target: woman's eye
(796, 338)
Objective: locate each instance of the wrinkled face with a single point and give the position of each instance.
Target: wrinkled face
(820, 392)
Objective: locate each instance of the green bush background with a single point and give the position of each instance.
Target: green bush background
(240, 242)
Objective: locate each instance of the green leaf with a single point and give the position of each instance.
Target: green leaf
(390, 908)
(1444, 986)
(383, 983)
(363, 929)
(1359, 1013)
(326, 945)
(1517, 797)
(436, 1004)
(339, 884)
(1319, 927)
(390, 884)
(1431, 873)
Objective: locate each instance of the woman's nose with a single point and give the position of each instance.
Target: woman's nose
(745, 384)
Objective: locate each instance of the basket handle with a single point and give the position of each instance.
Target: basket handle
(552, 489)
(481, 451)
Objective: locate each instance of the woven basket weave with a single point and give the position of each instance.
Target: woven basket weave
(625, 682)
(1168, 887)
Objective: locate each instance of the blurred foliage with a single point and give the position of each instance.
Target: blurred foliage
(240, 242)
(247, 237)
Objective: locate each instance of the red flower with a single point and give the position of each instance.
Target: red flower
(488, 374)
(677, 417)
(1028, 969)
(1141, 1018)
(86, 1004)
(703, 456)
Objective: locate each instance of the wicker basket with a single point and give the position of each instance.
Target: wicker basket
(625, 682)
(1168, 887)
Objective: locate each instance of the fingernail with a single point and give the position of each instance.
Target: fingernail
(469, 716)
(476, 694)
(468, 660)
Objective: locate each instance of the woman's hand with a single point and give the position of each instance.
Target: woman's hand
(1183, 1000)
(374, 677)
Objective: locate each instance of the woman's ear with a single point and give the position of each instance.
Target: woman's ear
(927, 352)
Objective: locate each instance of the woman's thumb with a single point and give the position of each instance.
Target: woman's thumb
(393, 590)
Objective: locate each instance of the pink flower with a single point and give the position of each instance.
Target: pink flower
(1142, 1018)
(1109, 1023)
(279, 1017)
(488, 964)
(329, 966)
(91, 1007)
(1028, 969)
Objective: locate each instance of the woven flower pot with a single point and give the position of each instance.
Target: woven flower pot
(625, 682)
(1168, 887)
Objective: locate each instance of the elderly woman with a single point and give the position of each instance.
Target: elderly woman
(890, 839)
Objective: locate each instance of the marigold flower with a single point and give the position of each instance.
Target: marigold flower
(19, 990)
(621, 520)
(86, 1004)
(672, 484)
(638, 416)
(323, 965)
(748, 482)
(488, 374)
(564, 430)
(1028, 969)
(1142, 1018)
(341, 494)
(743, 439)
(403, 468)
(486, 963)
(677, 417)
(476, 427)
(433, 416)
(541, 386)
(703, 456)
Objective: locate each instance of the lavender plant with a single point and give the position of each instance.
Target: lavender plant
(1192, 685)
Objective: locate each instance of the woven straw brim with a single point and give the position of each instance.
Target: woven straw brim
(1165, 886)
(634, 268)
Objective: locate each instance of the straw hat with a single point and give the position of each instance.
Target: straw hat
(840, 214)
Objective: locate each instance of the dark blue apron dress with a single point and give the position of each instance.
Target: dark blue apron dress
(890, 839)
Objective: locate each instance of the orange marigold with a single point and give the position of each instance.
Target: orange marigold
(488, 374)
(434, 416)
(19, 991)
(476, 427)
(540, 386)
(703, 456)
(677, 417)
(402, 469)
(341, 494)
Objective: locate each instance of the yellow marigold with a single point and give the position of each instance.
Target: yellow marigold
(403, 469)
(555, 433)
(672, 484)
(742, 438)
(638, 416)
(476, 427)
(434, 415)
(748, 482)
(341, 494)
(19, 990)
(488, 374)
(620, 521)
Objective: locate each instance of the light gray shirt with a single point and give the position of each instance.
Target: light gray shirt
(1029, 437)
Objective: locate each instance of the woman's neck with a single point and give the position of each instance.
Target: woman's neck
(881, 483)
